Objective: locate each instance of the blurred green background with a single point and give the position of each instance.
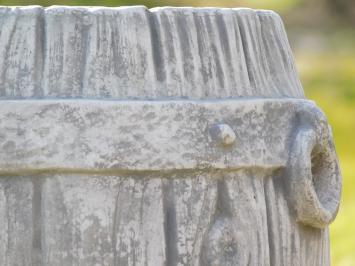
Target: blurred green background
(322, 36)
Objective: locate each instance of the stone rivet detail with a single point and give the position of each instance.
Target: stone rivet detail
(223, 134)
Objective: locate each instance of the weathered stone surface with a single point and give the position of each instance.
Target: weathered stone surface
(136, 53)
(170, 136)
(149, 135)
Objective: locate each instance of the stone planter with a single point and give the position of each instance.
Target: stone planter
(171, 136)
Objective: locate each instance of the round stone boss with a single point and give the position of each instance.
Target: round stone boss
(165, 136)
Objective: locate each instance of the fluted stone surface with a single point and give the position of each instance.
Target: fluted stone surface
(133, 52)
(169, 136)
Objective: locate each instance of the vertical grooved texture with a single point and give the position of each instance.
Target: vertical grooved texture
(197, 218)
(136, 53)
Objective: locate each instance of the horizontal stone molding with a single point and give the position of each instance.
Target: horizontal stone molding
(107, 135)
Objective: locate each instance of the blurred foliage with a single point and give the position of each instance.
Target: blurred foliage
(325, 56)
(343, 8)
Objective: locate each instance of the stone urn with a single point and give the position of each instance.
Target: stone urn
(169, 136)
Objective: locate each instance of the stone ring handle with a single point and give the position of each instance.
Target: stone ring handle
(313, 177)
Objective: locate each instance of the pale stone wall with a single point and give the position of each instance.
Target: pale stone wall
(172, 136)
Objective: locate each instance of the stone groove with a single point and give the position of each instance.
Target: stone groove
(136, 53)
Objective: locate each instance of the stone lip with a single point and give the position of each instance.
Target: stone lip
(99, 135)
(137, 53)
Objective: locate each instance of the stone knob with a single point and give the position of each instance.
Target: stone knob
(223, 134)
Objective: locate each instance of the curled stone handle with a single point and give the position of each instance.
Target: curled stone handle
(313, 179)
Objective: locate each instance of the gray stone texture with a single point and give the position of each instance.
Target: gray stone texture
(169, 136)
